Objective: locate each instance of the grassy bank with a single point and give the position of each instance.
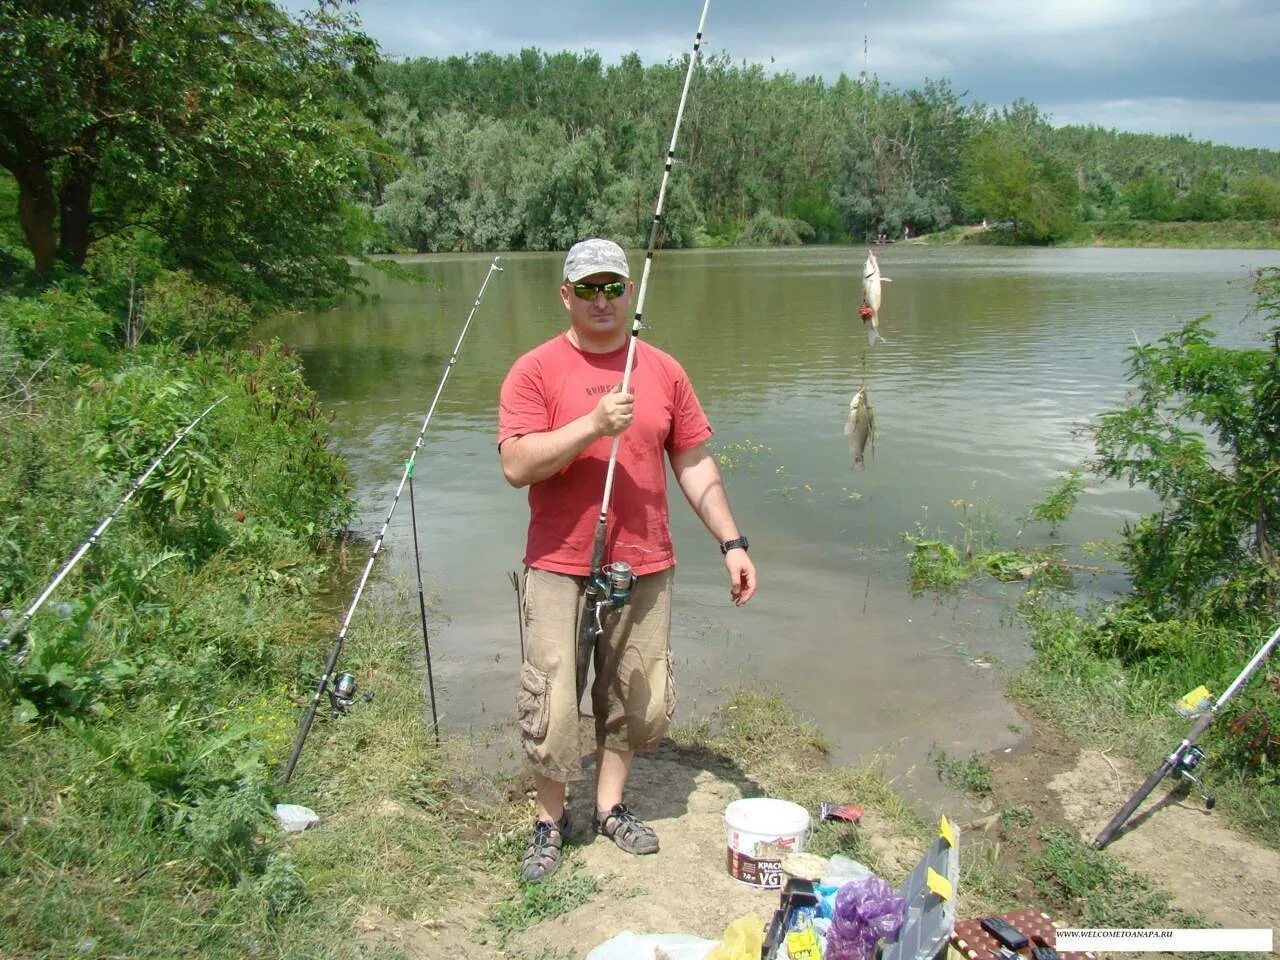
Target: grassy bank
(1098, 702)
(1263, 234)
(1245, 234)
(417, 848)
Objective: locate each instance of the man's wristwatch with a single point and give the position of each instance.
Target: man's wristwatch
(740, 543)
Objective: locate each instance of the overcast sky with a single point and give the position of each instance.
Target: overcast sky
(1210, 69)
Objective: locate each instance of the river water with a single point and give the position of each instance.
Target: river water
(993, 360)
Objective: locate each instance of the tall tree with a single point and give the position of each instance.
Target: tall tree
(216, 123)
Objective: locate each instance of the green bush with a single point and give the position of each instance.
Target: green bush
(767, 229)
(59, 322)
(177, 309)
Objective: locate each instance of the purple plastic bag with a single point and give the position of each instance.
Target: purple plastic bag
(865, 911)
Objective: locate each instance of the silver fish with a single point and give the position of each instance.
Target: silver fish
(860, 426)
(871, 281)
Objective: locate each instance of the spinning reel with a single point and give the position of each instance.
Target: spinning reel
(611, 586)
(342, 695)
(1187, 762)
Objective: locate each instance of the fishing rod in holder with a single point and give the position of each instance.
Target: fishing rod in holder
(20, 625)
(611, 584)
(1186, 757)
(343, 695)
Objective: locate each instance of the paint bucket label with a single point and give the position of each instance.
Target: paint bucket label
(763, 871)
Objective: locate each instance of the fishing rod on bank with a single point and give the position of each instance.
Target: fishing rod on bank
(345, 684)
(20, 625)
(612, 584)
(1186, 756)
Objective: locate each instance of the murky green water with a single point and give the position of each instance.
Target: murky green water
(993, 359)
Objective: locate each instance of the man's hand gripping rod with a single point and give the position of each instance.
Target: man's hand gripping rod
(605, 585)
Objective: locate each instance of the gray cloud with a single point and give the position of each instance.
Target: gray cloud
(1209, 69)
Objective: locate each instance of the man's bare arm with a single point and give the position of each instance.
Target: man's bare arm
(699, 478)
(535, 456)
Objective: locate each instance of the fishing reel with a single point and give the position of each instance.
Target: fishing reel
(613, 583)
(610, 586)
(1187, 762)
(342, 695)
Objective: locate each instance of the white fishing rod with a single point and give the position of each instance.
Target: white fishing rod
(309, 717)
(21, 623)
(598, 589)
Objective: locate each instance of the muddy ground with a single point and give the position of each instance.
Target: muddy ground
(1208, 868)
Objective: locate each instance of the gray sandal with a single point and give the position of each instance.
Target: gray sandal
(630, 834)
(545, 852)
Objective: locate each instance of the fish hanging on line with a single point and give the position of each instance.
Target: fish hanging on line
(870, 310)
(860, 426)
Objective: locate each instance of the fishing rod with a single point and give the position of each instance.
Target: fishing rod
(612, 585)
(336, 650)
(20, 625)
(1186, 756)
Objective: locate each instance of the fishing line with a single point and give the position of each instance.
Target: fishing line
(598, 588)
(309, 717)
(21, 624)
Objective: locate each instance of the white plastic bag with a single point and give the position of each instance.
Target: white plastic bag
(632, 946)
(295, 818)
(841, 870)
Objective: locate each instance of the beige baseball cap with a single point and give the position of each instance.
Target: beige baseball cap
(594, 256)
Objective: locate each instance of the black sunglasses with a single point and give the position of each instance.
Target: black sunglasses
(611, 290)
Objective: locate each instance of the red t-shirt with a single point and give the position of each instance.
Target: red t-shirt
(556, 383)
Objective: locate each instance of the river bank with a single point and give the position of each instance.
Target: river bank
(435, 840)
(1227, 234)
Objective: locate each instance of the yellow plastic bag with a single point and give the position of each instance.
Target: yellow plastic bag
(742, 940)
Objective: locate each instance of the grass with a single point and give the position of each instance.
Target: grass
(534, 903)
(1257, 234)
(87, 871)
(972, 774)
(1098, 702)
(786, 757)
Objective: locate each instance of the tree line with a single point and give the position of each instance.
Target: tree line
(535, 149)
(247, 147)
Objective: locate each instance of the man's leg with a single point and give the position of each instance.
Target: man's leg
(548, 712)
(613, 819)
(551, 797)
(550, 831)
(632, 701)
(612, 766)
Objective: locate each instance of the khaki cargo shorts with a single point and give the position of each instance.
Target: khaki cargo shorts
(633, 695)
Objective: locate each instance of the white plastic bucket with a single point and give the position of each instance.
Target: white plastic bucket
(760, 831)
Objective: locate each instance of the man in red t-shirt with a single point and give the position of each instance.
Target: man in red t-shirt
(561, 408)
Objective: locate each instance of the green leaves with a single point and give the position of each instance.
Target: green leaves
(1202, 430)
(223, 128)
(60, 672)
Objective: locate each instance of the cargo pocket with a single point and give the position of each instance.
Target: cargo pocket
(671, 690)
(532, 702)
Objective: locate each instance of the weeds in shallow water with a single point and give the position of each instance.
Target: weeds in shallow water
(972, 774)
(741, 454)
(939, 562)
